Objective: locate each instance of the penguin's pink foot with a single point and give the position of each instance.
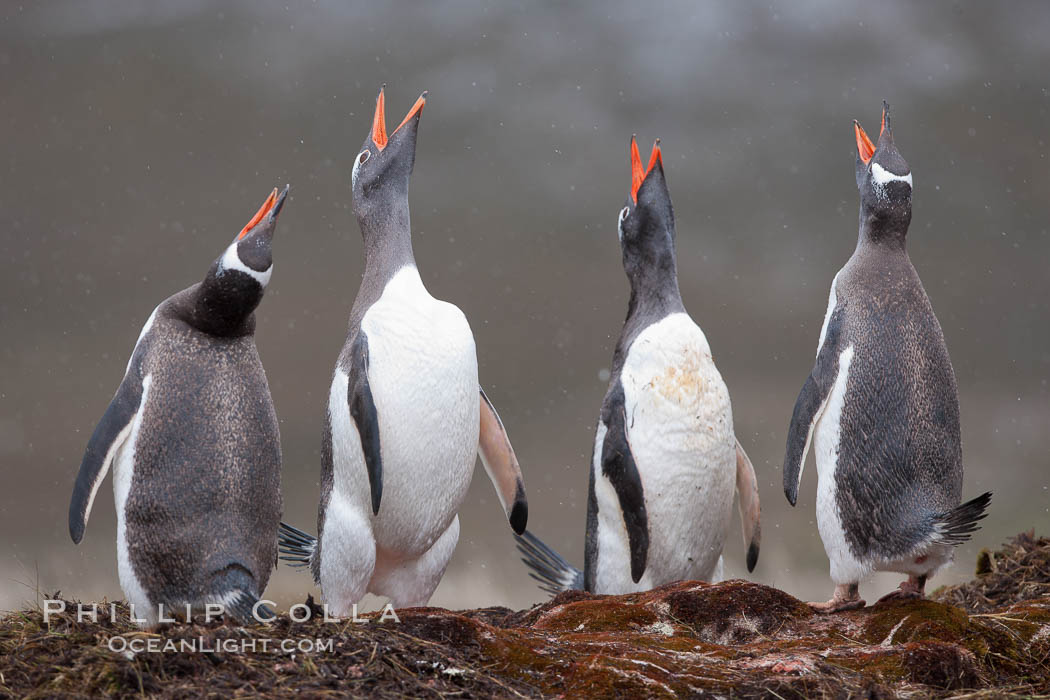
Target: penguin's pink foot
(912, 589)
(834, 606)
(846, 597)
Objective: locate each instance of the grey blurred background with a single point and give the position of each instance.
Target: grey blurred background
(139, 137)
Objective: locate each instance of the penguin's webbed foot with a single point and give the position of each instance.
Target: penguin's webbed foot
(846, 597)
(834, 606)
(912, 589)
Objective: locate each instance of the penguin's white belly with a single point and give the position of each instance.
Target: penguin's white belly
(123, 471)
(680, 429)
(423, 374)
(845, 567)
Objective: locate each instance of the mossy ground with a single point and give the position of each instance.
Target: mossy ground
(988, 637)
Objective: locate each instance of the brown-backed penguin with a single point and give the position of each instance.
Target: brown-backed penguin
(881, 405)
(406, 417)
(193, 440)
(665, 459)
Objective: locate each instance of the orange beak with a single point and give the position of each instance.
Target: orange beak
(379, 135)
(655, 157)
(865, 148)
(637, 174)
(379, 121)
(263, 211)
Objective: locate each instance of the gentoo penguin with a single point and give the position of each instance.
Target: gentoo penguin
(192, 437)
(880, 404)
(665, 456)
(406, 416)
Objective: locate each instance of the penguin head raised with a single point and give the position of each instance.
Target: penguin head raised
(646, 223)
(236, 281)
(379, 180)
(884, 181)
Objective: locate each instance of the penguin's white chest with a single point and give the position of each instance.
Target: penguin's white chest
(123, 474)
(827, 435)
(423, 374)
(680, 429)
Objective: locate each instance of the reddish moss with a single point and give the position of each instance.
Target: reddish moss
(913, 621)
(734, 612)
(442, 627)
(734, 639)
(940, 665)
(594, 616)
(526, 618)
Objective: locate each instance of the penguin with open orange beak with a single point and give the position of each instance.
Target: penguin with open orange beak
(880, 405)
(406, 418)
(666, 460)
(193, 441)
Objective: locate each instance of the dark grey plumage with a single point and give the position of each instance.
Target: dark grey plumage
(899, 471)
(204, 501)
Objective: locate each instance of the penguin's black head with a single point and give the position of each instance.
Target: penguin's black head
(884, 181)
(236, 281)
(646, 223)
(384, 165)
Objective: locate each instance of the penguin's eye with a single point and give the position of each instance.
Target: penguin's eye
(361, 158)
(623, 214)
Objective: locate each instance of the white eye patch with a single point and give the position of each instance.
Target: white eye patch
(619, 223)
(362, 157)
(232, 261)
(881, 176)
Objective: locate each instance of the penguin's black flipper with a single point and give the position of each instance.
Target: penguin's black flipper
(810, 404)
(109, 435)
(618, 466)
(363, 411)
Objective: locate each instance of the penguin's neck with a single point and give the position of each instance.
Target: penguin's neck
(654, 295)
(222, 310)
(387, 235)
(888, 233)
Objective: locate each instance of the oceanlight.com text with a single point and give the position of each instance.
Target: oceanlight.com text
(202, 645)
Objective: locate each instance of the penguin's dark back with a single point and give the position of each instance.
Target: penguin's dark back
(900, 455)
(206, 488)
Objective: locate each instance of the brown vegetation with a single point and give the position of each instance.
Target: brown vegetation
(990, 636)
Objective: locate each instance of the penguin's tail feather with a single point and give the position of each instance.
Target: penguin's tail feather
(296, 547)
(548, 568)
(246, 609)
(956, 526)
(235, 587)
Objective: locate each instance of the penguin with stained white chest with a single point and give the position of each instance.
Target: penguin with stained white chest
(666, 459)
(406, 417)
(192, 438)
(881, 405)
